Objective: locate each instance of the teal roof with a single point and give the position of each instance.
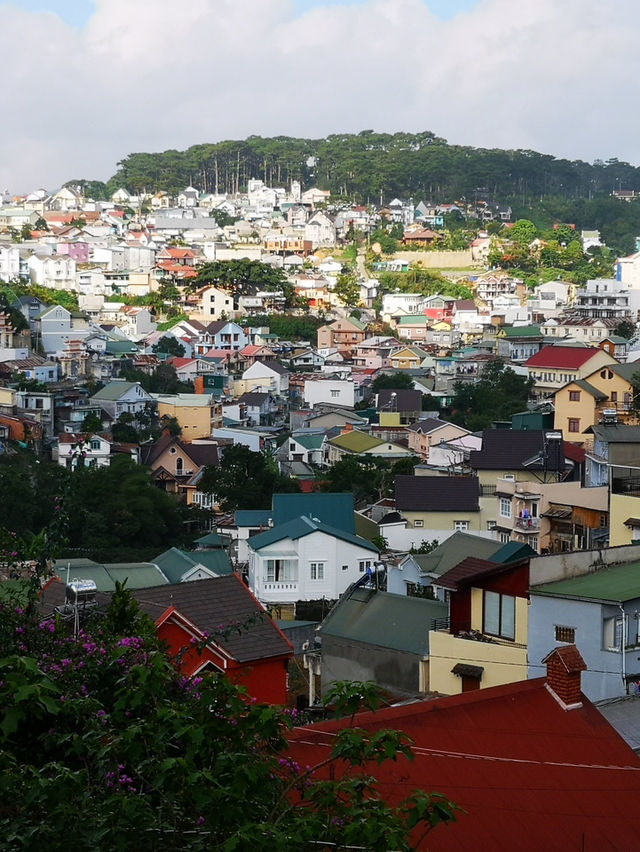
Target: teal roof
(302, 526)
(252, 517)
(520, 331)
(114, 390)
(417, 319)
(335, 510)
(399, 622)
(139, 575)
(175, 563)
(453, 550)
(212, 540)
(121, 347)
(511, 551)
(309, 442)
(619, 583)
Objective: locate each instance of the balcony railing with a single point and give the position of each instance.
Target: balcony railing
(281, 586)
(529, 524)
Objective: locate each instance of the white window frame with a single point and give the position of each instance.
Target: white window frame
(418, 523)
(316, 571)
(505, 507)
(461, 526)
(363, 564)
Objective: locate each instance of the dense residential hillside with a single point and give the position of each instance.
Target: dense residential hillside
(371, 165)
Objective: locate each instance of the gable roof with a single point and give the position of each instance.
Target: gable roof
(301, 527)
(114, 390)
(618, 434)
(517, 331)
(568, 357)
(431, 424)
(590, 389)
(334, 509)
(398, 622)
(453, 550)
(437, 493)
(175, 563)
(507, 449)
(225, 601)
(310, 442)
(528, 774)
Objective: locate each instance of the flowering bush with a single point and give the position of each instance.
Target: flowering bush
(106, 746)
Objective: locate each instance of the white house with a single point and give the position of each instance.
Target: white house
(215, 302)
(266, 376)
(83, 450)
(56, 326)
(57, 272)
(320, 230)
(9, 262)
(304, 559)
(120, 396)
(335, 391)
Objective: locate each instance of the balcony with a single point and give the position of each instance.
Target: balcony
(527, 524)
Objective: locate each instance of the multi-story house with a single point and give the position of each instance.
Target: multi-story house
(345, 335)
(428, 433)
(518, 343)
(57, 272)
(606, 395)
(10, 267)
(583, 330)
(608, 298)
(320, 231)
(220, 335)
(56, 326)
(305, 559)
(120, 397)
(440, 504)
(555, 366)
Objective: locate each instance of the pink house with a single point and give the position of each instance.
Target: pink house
(76, 250)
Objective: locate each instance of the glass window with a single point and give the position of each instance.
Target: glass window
(574, 396)
(317, 570)
(505, 507)
(418, 523)
(363, 564)
(461, 525)
(500, 615)
(612, 633)
(574, 424)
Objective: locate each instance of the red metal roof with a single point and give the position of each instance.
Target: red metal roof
(570, 357)
(529, 774)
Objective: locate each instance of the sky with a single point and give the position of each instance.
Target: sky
(87, 82)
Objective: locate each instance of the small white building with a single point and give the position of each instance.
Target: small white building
(339, 392)
(77, 450)
(304, 559)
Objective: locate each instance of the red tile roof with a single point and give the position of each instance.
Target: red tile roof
(570, 357)
(529, 774)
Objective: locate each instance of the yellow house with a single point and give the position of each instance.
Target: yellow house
(197, 414)
(484, 643)
(553, 367)
(407, 358)
(607, 392)
(440, 503)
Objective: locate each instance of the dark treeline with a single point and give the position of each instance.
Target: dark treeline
(371, 166)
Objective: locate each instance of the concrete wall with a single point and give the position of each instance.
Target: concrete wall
(564, 566)
(435, 259)
(501, 663)
(344, 659)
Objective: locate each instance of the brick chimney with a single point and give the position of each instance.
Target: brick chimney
(564, 666)
(348, 427)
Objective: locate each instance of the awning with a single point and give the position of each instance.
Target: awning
(467, 670)
(632, 522)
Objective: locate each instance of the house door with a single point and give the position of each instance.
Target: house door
(469, 683)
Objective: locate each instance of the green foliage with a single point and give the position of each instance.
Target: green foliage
(387, 242)
(347, 289)
(164, 379)
(498, 395)
(426, 546)
(238, 467)
(425, 281)
(64, 298)
(288, 326)
(91, 423)
(243, 277)
(625, 328)
(370, 478)
(104, 744)
(170, 346)
(396, 381)
(523, 232)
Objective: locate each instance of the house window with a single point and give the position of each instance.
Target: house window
(505, 507)
(499, 615)
(279, 571)
(574, 396)
(612, 633)
(461, 526)
(363, 564)
(505, 537)
(95, 445)
(565, 634)
(335, 393)
(418, 523)
(614, 396)
(316, 570)
(574, 424)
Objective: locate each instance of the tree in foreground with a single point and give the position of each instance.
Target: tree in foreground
(104, 745)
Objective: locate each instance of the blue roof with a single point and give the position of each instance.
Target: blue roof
(511, 551)
(335, 510)
(252, 517)
(301, 526)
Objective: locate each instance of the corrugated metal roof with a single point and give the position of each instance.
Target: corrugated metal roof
(302, 526)
(528, 774)
(618, 583)
(356, 442)
(385, 620)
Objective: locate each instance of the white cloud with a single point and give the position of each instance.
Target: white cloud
(153, 74)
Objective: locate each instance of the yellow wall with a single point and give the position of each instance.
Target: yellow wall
(444, 520)
(7, 396)
(390, 418)
(622, 507)
(584, 410)
(501, 663)
(194, 420)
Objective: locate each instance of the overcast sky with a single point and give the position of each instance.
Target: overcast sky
(86, 83)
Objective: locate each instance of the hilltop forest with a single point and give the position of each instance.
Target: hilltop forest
(371, 167)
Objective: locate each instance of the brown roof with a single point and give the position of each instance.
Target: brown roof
(437, 493)
(221, 603)
(468, 569)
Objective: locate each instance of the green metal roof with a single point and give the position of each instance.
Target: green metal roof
(511, 551)
(139, 575)
(356, 442)
(520, 331)
(335, 510)
(309, 442)
(114, 390)
(252, 517)
(212, 540)
(399, 622)
(302, 526)
(175, 563)
(121, 347)
(618, 583)
(453, 550)
(418, 319)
